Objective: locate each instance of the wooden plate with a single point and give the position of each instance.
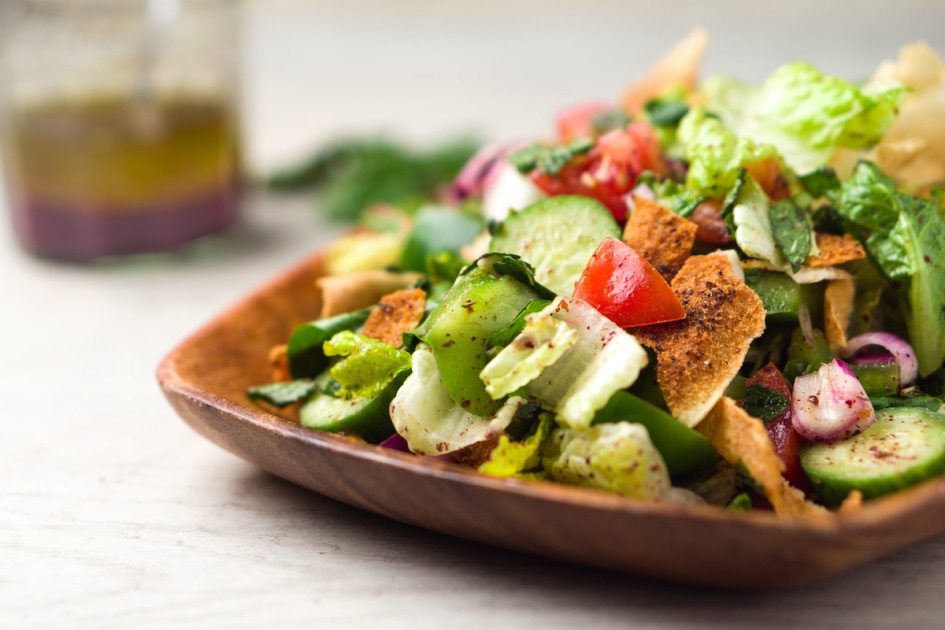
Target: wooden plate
(206, 376)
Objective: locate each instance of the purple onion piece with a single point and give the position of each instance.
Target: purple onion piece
(830, 404)
(477, 173)
(858, 350)
(396, 442)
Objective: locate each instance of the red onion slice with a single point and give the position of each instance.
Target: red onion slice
(830, 404)
(899, 348)
(477, 173)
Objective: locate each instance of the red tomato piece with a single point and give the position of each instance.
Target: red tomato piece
(577, 122)
(787, 441)
(609, 169)
(769, 176)
(626, 288)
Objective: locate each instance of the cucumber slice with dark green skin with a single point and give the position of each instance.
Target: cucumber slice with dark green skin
(458, 331)
(932, 403)
(904, 447)
(684, 450)
(557, 236)
(368, 418)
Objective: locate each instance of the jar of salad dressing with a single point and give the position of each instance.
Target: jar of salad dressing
(119, 124)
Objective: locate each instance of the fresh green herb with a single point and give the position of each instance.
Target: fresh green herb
(608, 121)
(350, 175)
(792, 232)
(764, 403)
(905, 236)
(740, 503)
(548, 160)
(283, 394)
(672, 194)
(665, 112)
(820, 182)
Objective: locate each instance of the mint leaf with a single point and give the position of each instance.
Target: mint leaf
(665, 113)
(764, 403)
(283, 394)
(548, 160)
(820, 182)
(608, 121)
(792, 232)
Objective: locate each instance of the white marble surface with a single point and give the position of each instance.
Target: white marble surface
(114, 514)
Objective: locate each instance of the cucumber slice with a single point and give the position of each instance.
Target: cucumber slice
(905, 446)
(557, 236)
(368, 418)
(782, 297)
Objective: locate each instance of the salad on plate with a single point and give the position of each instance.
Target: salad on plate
(706, 292)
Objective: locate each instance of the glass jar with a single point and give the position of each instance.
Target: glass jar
(119, 124)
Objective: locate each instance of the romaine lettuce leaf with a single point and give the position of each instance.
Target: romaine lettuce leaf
(905, 236)
(715, 153)
(618, 457)
(432, 424)
(513, 458)
(369, 365)
(578, 382)
(807, 115)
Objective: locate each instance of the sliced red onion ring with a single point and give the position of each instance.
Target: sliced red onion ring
(899, 348)
(477, 173)
(830, 404)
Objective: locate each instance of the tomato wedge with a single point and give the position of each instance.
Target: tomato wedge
(610, 169)
(578, 121)
(626, 288)
(787, 441)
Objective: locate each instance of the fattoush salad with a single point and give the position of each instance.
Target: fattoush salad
(704, 292)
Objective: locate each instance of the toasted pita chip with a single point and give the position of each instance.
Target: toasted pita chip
(852, 503)
(361, 289)
(279, 359)
(680, 66)
(835, 250)
(741, 439)
(396, 313)
(838, 307)
(662, 237)
(698, 356)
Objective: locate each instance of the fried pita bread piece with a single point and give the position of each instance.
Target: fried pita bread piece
(396, 313)
(361, 289)
(662, 237)
(835, 250)
(742, 441)
(838, 307)
(697, 357)
(680, 66)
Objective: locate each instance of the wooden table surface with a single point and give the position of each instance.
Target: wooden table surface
(114, 514)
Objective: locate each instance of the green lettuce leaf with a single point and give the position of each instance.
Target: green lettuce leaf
(716, 153)
(369, 365)
(904, 236)
(510, 458)
(807, 115)
(618, 457)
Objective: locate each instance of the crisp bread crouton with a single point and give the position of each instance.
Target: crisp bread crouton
(662, 237)
(838, 307)
(679, 67)
(361, 289)
(835, 250)
(742, 441)
(396, 313)
(698, 356)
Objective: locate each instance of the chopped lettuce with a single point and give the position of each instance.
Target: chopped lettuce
(369, 365)
(578, 381)
(716, 153)
(753, 231)
(541, 342)
(807, 115)
(618, 457)
(432, 424)
(510, 458)
(905, 236)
